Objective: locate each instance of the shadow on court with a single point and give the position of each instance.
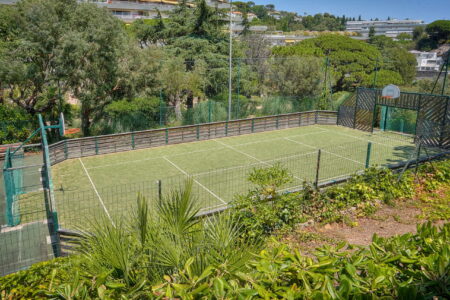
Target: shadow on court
(24, 245)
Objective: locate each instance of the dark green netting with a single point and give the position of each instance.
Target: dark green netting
(398, 120)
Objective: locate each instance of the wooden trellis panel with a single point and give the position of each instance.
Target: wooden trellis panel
(365, 105)
(433, 122)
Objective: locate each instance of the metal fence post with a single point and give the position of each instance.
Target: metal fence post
(96, 146)
(316, 117)
(132, 141)
(226, 128)
(66, 150)
(316, 183)
(159, 191)
(300, 120)
(198, 132)
(418, 156)
(161, 123)
(253, 125)
(369, 152)
(209, 111)
(167, 135)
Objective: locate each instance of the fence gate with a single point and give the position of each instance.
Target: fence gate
(433, 114)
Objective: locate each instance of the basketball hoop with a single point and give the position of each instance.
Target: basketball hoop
(390, 92)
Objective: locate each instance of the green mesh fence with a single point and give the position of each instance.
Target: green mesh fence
(30, 218)
(398, 120)
(21, 176)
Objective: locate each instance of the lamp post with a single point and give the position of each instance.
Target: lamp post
(230, 61)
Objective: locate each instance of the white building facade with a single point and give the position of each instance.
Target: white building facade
(391, 28)
(428, 61)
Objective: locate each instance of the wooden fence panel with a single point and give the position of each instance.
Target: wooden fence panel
(98, 145)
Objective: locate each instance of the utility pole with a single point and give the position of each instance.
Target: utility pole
(230, 85)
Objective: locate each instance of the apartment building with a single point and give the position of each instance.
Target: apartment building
(129, 10)
(390, 28)
(428, 61)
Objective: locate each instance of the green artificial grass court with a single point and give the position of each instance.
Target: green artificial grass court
(109, 184)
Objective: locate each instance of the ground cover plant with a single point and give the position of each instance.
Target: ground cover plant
(169, 254)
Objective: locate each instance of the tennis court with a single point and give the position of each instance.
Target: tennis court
(109, 184)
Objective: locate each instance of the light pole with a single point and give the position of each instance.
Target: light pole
(230, 61)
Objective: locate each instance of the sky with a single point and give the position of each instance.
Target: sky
(426, 10)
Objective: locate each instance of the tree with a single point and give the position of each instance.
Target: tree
(439, 31)
(372, 32)
(31, 74)
(180, 82)
(92, 52)
(295, 76)
(149, 32)
(404, 37)
(395, 57)
(418, 33)
(384, 77)
(352, 60)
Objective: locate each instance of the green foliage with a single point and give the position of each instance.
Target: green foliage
(270, 179)
(402, 267)
(15, 125)
(164, 239)
(363, 192)
(436, 195)
(35, 282)
(383, 78)
(396, 58)
(439, 31)
(205, 112)
(125, 116)
(352, 60)
(294, 76)
(166, 252)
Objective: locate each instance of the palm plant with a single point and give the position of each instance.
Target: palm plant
(160, 238)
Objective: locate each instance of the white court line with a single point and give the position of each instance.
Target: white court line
(153, 158)
(95, 189)
(248, 155)
(343, 134)
(199, 151)
(254, 164)
(337, 155)
(195, 180)
(276, 139)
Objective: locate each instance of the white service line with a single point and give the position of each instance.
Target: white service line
(241, 152)
(276, 138)
(154, 158)
(337, 155)
(195, 180)
(348, 135)
(95, 189)
(253, 164)
(248, 155)
(199, 151)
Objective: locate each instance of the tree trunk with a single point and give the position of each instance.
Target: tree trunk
(85, 120)
(178, 107)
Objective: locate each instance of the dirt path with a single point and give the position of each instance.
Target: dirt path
(386, 222)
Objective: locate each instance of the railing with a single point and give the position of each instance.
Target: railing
(98, 145)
